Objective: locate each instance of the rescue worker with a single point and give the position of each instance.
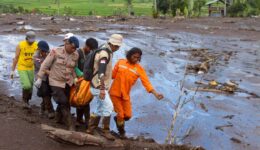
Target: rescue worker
(61, 62)
(45, 90)
(66, 37)
(90, 44)
(100, 85)
(125, 74)
(24, 61)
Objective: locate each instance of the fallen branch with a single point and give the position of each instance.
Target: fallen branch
(78, 138)
(208, 90)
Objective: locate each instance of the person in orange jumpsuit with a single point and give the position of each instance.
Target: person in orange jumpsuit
(125, 74)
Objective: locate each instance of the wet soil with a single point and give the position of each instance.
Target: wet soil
(20, 129)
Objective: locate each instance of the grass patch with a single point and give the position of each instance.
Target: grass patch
(81, 7)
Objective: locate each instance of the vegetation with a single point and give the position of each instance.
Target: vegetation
(187, 8)
(244, 8)
(79, 7)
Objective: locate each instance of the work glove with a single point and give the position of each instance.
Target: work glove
(75, 81)
(12, 75)
(38, 83)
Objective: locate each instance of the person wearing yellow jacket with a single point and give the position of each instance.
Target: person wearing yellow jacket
(125, 74)
(25, 66)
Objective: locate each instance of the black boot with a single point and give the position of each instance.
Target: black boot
(106, 128)
(120, 127)
(26, 97)
(68, 118)
(86, 115)
(93, 123)
(80, 113)
(42, 111)
(58, 115)
(49, 107)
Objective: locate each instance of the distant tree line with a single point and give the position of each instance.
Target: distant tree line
(188, 8)
(181, 7)
(244, 8)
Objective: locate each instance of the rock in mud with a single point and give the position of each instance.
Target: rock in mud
(162, 54)
(202, 106)
(229, 116)
(235, 140)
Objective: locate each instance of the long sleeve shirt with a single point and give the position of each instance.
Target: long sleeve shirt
(38, 59)
(61, 66)
(125, 76)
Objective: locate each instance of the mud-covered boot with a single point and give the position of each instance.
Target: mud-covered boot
(58, 115)
(25, 102)
(87, 115)
(42, 110)
(93, 123)
(79, 112)
(106, 129)
(121, 128)
(49, 107)
(68, 118)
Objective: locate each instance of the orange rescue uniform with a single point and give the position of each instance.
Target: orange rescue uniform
(125, 76)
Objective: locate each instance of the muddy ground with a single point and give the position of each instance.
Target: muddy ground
(215, 120)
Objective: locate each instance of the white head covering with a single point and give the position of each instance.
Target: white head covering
(116, 39)
(67, 36)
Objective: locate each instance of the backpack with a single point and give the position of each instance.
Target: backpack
(89, 63)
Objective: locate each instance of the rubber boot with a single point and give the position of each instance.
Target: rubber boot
(93, 124)
(58, 115)
(106, 129)
(26, 97)
(86, 115)
(80, 113)
(42, 111)
(49, 107)
(68, 118)
(120, 127)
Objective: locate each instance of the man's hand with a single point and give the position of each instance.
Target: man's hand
(38, 83)
(12, 75)
(159, 96)
(102, 94)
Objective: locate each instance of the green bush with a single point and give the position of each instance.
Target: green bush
(237, 9)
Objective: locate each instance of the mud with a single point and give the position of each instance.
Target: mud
(167, 45)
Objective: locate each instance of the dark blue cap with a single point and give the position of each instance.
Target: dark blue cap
(43, 46)
(74, 40)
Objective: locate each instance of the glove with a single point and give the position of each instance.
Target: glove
(38, 83)
(75, 81)
(12, 75)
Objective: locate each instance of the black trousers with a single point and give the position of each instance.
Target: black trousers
(61, 95)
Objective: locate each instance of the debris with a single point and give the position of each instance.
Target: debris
(217, 87)
(223, 126)
(20, 23)
(47, 18)
(229, 116)
(78, 138)
(235, 140)
(151, 72)
(162, 54)
(202, 106)
(213, 83)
